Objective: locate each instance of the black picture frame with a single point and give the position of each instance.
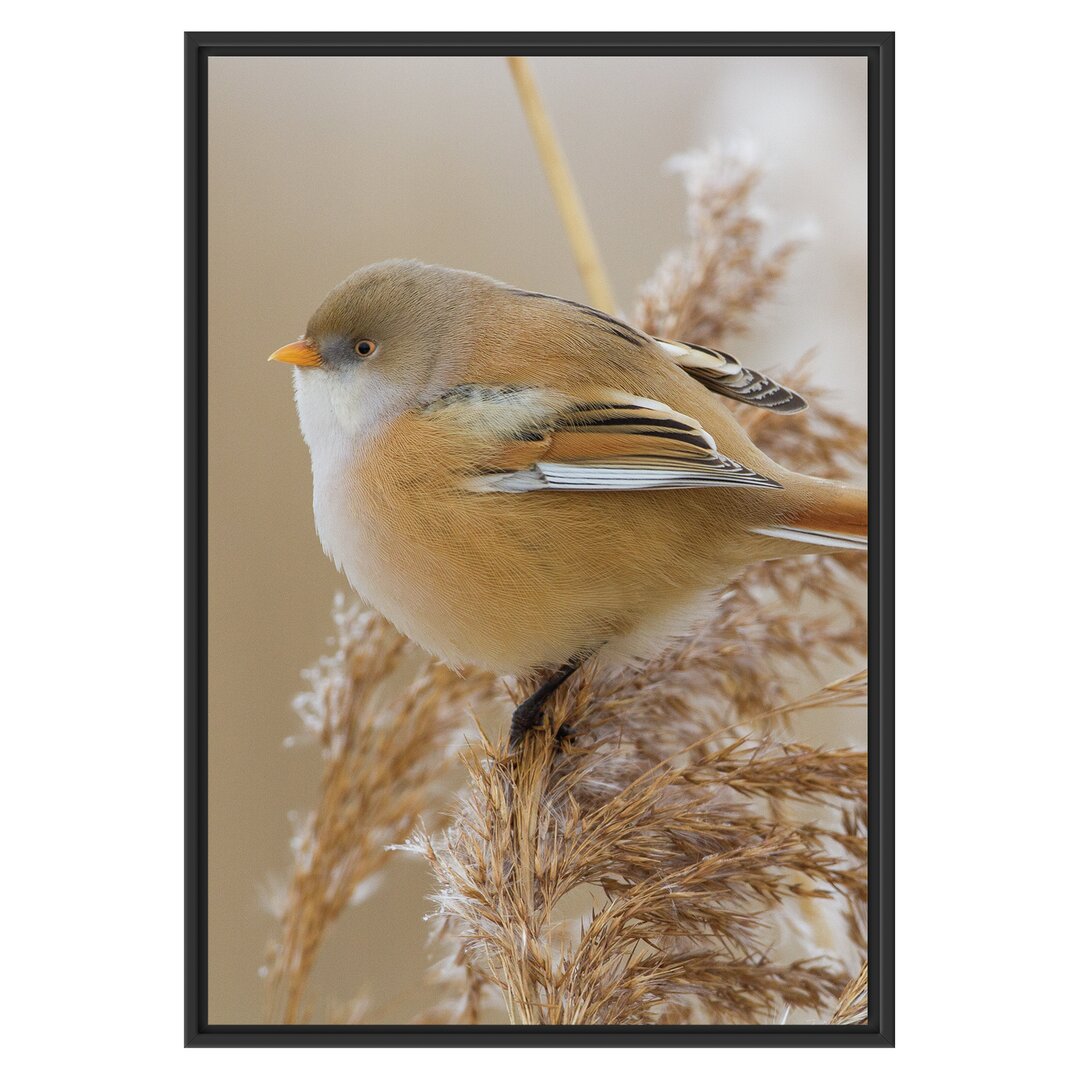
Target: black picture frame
(878, 48)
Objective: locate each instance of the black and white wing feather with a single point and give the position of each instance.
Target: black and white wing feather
(723, 374)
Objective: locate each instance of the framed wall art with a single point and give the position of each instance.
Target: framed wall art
(540, 588)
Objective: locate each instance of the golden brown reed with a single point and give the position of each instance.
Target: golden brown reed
(652, 869)
(706, 291)
(563, 190)
(854, 1001)
(386, 716)
(682, 855)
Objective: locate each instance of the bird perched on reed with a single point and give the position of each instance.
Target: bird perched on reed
(521, 482)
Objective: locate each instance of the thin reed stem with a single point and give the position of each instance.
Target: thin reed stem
(567, 199)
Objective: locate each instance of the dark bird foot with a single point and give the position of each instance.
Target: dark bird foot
(531, 711)
(522, 723)
(526, 716)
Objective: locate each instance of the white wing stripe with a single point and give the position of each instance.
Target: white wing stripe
(624, 477)
(809, 536)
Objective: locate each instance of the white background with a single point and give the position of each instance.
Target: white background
(986, 596)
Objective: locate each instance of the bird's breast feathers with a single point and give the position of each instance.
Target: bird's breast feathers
(472, 521)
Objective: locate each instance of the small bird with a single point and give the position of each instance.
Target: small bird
(521, 482)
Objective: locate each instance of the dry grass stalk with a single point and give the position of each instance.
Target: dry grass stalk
(854, 1002)
(707, 291)
(575, 222)
(682, 854)
(387, 717)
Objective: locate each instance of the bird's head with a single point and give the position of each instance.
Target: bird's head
(372, 347)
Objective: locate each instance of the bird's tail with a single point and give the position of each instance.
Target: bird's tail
(829, 517)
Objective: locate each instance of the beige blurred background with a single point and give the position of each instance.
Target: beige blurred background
(320, 165)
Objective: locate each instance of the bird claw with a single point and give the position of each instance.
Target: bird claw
(531, 711)
(528, 716)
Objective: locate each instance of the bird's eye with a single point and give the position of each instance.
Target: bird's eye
(364, 347)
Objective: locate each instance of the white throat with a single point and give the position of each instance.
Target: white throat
(338, 415)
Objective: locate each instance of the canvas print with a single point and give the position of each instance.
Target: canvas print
(537, 557)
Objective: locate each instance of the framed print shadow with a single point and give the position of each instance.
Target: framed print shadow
(540, 589)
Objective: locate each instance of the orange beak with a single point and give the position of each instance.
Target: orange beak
(302, 353)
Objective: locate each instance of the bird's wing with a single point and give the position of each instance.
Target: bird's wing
(718, 371)
(602, 440)
(723, 374)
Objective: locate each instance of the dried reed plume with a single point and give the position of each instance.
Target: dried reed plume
(854, 1001)
(707, 291)
(386, 716)
(683, 859)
